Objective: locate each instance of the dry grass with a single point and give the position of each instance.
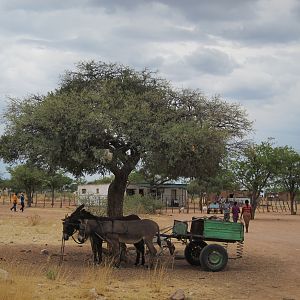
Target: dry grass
(99, 278)
(34, 220)
(158, 277)
(18, 285)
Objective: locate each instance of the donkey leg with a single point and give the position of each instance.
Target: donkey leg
(152, 250)
(123, 256)
(140, 250)
(115, 245)
(98, 242)
(94, 250)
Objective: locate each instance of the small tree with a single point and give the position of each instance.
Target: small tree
(288, 173)
(254, 168)
(26, 177)
(55, 181)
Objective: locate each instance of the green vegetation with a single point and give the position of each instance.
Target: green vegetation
(135, 204)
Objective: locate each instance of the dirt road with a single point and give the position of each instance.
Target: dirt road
(269, 269)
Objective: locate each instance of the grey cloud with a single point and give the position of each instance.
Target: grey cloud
(251, 92)
(211, 61)
(269, 33)
(191, 9)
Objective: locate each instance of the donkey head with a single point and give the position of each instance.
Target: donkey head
(82, 232)
(70, 225)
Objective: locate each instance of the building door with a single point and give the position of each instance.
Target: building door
(174, 200)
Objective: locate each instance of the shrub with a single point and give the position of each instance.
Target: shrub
(136, 204)
(139, 204)
(34, 220)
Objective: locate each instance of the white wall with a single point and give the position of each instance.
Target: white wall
(91, 189)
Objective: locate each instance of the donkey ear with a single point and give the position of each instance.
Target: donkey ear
(79, 208)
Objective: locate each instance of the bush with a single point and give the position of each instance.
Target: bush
(34, 220)
(136, 204)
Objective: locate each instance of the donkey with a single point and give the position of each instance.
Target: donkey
(121, 231)
(71, 225)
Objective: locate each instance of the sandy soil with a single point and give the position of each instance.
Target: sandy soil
(269, 269)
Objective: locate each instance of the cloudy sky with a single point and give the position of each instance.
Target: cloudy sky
(248, 51)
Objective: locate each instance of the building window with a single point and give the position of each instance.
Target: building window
(130, 192)
(97, 191)
(83, 191)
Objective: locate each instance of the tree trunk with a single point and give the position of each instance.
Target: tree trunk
(115, 197)
(292, 201)
(52, 196)
(254, 202)
(29, 198)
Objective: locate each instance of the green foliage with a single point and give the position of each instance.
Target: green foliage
(138, 204)
(288, 173)
(105, 179)
(255, 168)
(136, 177)
(56, 181)
(51, 274)
(26, 178)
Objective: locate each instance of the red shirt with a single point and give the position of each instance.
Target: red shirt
(246, 209)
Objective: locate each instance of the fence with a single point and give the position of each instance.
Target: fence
(275, 204)
(167, 205)
(45, 199)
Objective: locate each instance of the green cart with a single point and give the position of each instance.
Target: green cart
(199, 250)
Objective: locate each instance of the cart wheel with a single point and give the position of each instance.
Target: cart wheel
(192, 252)
(213, 258)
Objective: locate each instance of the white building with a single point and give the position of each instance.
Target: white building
(172, 194)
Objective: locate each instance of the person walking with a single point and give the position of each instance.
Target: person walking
(22, 202)
(235, 212)
(246, 214)
(14, 201)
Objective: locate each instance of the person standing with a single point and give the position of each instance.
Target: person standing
(14, 201)
(22, 202)
(235, 212)
(226, 210)
(246, 214)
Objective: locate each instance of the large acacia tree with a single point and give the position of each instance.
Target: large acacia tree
(109, 117)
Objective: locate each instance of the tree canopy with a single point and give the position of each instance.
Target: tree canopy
(109, 117)
(254, 168)
(288, 173)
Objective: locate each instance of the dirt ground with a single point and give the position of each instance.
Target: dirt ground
(269, 269)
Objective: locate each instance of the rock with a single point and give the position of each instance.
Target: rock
(45, 252)
(95, 295)
(3, 274)
(178, 295)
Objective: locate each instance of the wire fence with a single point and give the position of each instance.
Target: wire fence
(45, 200)
(167, 206)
